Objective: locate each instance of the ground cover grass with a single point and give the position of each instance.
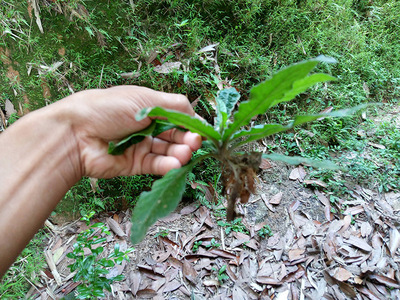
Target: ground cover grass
(97, 44)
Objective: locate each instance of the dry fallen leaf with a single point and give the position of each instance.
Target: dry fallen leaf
(341, 274)
(168, 67)
(394, 241)
(295, 254)
(115, 227)
(359, 243)
(316, 182)
(298, 174)
(276, 199)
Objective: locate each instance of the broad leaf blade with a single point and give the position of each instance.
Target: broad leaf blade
(155, 128)
(261, 131)
(258, 132)
(178, 118)
(297, 160)
(159, 202)
(137, 137)
(338, 113)
(283, 86)
(302, 85)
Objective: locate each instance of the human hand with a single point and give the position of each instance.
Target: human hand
(101, 116)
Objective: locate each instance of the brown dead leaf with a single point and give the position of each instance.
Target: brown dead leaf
(115, 227)
(389, 282)
(378, 146)
(223, 253)
(265, 164)
(9, 108)
(316, 182)
(135, 279)
(394, 241)
(189, 272)
(276, 199)
(344, 287)
(341, 274)
(170, 218)
(359, 243)
(295, 254)
(368, 293)
(171, 286)
(146, 293)
(298, 174)
(188, 209)
(168, 67)
(266, 202)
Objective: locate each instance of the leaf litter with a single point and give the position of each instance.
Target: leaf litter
(309, 256)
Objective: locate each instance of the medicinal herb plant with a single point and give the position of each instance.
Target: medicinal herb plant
(224, 139)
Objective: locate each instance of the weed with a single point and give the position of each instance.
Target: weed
(162, 233)
(223, 140)
(91, 269)
(213, 244)
(235, 225)
(265, 232)
(17, 281)
(221, 274)
(196, 245)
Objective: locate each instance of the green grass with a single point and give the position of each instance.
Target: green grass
(25, 270)
(102, 39)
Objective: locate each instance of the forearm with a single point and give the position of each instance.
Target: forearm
(39, 162)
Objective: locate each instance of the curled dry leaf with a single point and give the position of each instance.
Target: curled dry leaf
(394, 241)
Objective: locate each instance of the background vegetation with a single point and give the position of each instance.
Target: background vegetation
(97, 44)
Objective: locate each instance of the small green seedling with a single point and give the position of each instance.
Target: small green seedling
(221, 275)
(235, 225)
(91, 269)
(213, 244)
(196, 245)
(223, 140)
(265, 232)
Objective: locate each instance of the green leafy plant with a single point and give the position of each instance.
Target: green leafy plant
(235, 225)
(196, 245)
(265, 231)
(223, 141)
(221, 274)
(162, 233)
(91, 269)
(213, 244)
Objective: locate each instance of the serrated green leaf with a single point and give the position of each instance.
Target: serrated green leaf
(302, 85)
(178, 118)
(226, 101)
(337, 113)
(159, 202)
(297, 160)
(257, 132)
(283, 86)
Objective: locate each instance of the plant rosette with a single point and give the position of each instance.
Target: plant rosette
(223, 140)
